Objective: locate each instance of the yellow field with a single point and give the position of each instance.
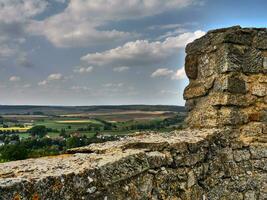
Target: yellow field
(16, 129)
(74, 121)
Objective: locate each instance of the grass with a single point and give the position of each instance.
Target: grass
(53, 135)
(70, 124)
(24, 135)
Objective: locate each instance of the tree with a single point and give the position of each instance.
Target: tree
(38, 113)
(13, 152)
(63, 133)
(39, 131)
(73, 142)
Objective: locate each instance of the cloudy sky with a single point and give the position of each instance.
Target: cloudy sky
(91, 52)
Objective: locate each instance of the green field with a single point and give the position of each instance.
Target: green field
(122, 122)
(31, 136)
(58, 123)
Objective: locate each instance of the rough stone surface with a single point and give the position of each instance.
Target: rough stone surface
(221, 155)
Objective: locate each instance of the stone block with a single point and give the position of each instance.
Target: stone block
(157, 159)
(258, 152)
(191, 66)
(250, 195)
(198, 88)
(229, 58)
(190, 105)
(260, 41)
(259, 89)
(191, 180)
(265, 63)
(233, 85)
(252, 129)
(252, 61)
(228, 99)
(191, 92)
(241, 36)
(241, 155)
(231, 116)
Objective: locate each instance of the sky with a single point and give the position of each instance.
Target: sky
(107, 52)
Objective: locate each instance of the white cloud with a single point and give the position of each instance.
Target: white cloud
(14, 78)
(172, 33)
(71, 33)
(121, 69)
(142, 52)
(42, 83)
(172, 29)
(14, 15)
(165, 72)
(121, 9)
(80, 88)
(179, 74)
(51, 78)
(19, 10)
(78, 24)
(83, 70)
(113, 85)
(54, 77)
(162, 72)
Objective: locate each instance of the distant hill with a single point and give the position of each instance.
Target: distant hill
(50, 110)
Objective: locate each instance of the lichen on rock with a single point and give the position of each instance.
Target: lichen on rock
(222, 154)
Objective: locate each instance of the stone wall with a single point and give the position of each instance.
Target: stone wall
(228, 84)
(222, 154)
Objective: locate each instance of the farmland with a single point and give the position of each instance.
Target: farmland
(16, 129)
(65, 130)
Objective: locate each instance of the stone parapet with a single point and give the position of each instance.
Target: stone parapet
(221, 155)
(228, 78)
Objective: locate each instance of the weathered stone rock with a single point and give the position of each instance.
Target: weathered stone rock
(241, 155)
(231, 116)
(265, 64)
(195, 91)
(259, 151)
(252, 61)
(250, 195)
(228, 99)
(222, 154)
(260, 40)
(229, 58)
(233, 85)
(259, 90)
(191, 68)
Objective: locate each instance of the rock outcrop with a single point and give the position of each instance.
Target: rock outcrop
(222, 154)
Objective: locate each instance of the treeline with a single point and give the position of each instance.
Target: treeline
(169, 108)
(177, 120)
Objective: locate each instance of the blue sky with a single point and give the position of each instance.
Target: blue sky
(87, 52)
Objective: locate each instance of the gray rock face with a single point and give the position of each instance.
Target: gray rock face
(222, 154)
